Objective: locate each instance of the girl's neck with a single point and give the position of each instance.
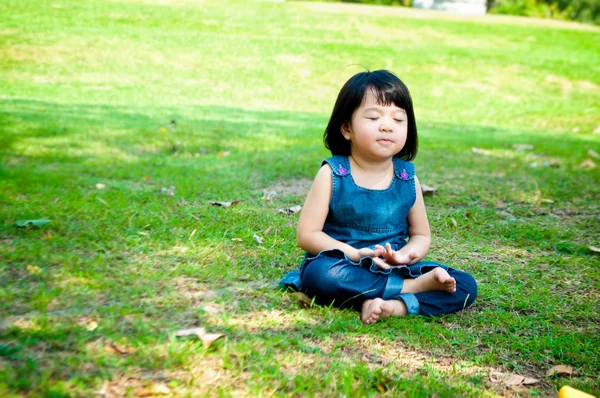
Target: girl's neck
(369, 166)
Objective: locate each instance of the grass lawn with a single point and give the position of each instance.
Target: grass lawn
(172, 104)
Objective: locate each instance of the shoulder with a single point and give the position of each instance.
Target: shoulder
(339, 165)
(404, 170)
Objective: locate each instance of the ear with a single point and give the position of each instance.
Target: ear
(345, 130)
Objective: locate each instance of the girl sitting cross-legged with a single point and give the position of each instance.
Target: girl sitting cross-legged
(364, 226)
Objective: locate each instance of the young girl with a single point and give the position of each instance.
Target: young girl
(364, 204)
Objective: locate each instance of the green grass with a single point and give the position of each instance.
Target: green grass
(88, 92)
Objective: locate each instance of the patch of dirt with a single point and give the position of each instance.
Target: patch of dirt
(297, 187)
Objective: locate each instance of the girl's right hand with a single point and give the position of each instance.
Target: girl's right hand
(368, 252)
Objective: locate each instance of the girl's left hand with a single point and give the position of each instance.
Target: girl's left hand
(395, 258)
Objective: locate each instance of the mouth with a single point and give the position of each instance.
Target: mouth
(385, 140)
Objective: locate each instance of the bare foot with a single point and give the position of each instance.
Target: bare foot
(437, 279)
(373, 309)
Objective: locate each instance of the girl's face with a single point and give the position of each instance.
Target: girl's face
(376, 131)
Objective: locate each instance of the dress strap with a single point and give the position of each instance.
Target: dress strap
(340, 165)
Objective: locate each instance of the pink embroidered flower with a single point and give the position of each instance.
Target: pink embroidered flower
(404, 175)
(343, 171)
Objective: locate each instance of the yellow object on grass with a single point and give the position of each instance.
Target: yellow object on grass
(569, 392)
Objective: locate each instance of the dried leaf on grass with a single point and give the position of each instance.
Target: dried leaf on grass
(560, 370)
(511, 379)
(206, 338)
(588, 164)
(100, 186)
(291, 210)
(237, 239)
(266, 231)
(593, 154)
(268, 195)
(427, 191)
(594, 249)
(552, 163)
(222, 154)
(168, 191)
(480, 151)
(225, 204)
(258, 239)
(119, 349)
(35, 223)
(302, 299)
(454, 222)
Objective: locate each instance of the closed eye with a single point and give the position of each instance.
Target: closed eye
(399, 120)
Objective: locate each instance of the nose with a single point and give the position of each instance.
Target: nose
(385, 126)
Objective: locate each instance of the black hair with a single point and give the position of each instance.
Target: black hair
(388, 89)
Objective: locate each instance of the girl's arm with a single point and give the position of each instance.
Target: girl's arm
(310, 235)
(418, 227)
(419, 233)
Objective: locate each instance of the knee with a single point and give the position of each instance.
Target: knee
(467, 284)
(319, 277)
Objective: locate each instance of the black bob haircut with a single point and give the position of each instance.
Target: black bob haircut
(388, 89)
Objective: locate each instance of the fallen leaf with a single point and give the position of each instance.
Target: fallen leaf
(268, 195)
(226, 204)
(291, 210)
(427, 191)
(168, 191)
(258, 239)
(143, 233)
(266, 231)
(211, 309)
(560, 370)
(222, 154)
(594, 249)
(302, 299)
(597, 130)
(210, 338)
(35, 223)
(237, 239)
(454, 222)
(100, 186)
(523, 147)
(119, 349)
(480, 151)
(513, 380)
(206, 338)
(199, 332)
(547, 201)
(588, 164)
(593, 154)
(93, 325)
(552, 163)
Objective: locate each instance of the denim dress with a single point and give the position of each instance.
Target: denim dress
(363, 217)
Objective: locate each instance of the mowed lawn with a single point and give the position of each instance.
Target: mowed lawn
(120, 121)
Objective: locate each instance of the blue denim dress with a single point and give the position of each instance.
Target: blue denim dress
(363, 217)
